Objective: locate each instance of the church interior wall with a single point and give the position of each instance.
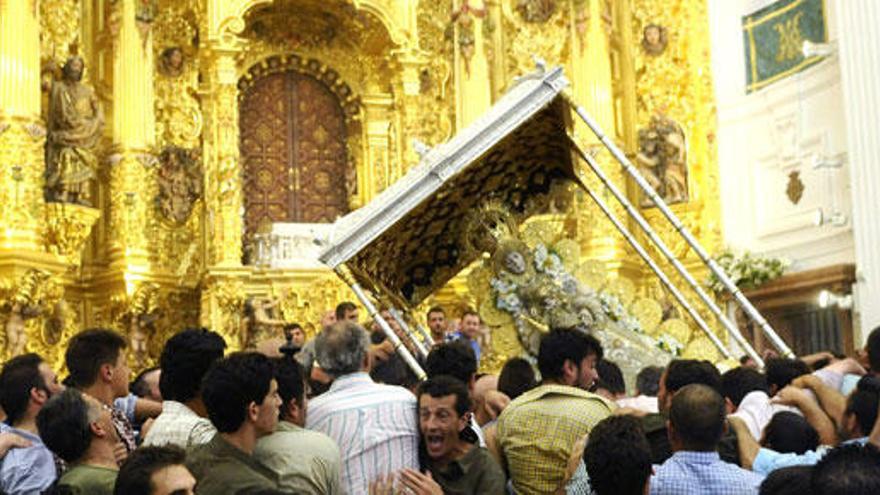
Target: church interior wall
(774, 199)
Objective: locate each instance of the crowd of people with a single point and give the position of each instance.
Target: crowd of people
(346, 415)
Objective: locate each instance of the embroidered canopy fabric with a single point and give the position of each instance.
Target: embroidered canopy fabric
(412, 238)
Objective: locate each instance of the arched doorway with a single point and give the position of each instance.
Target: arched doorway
(293, 151)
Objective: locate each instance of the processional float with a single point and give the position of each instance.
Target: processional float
(420, 232)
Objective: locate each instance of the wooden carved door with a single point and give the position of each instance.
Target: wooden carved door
(293, 148)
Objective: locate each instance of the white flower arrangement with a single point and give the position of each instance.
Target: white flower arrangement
(746, 270)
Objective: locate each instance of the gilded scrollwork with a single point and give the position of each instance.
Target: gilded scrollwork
(66, 229)
(26, 304)
(59, 30)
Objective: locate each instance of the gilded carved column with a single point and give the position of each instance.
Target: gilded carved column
(590, 62)
(22, 133)
(473, 94)
(223, 188)
(133, 135)
(380, 169)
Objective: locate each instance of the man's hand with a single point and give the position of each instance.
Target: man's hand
(806, 381)
(630, 411)
(420, 484)
(120, 453)
(791, 396)
(12, 441)
(382, 351)
(494, 402)
(383, 485)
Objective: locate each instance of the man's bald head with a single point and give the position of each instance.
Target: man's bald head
(697, 418)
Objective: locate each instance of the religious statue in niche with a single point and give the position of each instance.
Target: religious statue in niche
(171, 62)
(662, 159)
(178, 116)
(20, 310)
(74, 127)
(180, 183)
(260, 321)
(141, 326)
(654, 39)
(538, 11)
(464, 18)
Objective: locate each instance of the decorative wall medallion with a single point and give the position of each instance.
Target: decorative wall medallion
(654, 39)
(795, 189)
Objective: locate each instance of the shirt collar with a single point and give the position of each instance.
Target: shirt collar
(287, 426)
(22, 433)
(174, 407)
(542, 391)
(457, 469)
(351, 380)
(693, 457)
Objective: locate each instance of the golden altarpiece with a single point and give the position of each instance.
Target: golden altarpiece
(225, 118)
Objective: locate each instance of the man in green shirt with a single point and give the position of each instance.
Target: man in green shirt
(80, 430)
(455, 463)
(306, 461)
(241, 396)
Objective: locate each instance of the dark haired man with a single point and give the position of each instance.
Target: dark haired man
(696, 423)
(26, 382)
(437, 324)
(848, 470)
(745, 391)
(647, 386)
(241, 395)
(610, 383)
(854, 423)
(185, 360)
(80, 430)
(97, 366)
(305, 461)
(469, 329)
(455, 463)
(155, 471)
(617, 457)
(146, 384)
(536, 456)
(347, 311)
(680, 373)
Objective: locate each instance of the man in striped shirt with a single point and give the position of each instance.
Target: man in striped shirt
(375, 426)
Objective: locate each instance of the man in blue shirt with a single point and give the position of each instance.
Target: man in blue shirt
(468, 331)
(696, 423)
(27, 383)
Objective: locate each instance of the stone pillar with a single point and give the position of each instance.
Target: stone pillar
(859, 53)
(22, 133)
(223, 187)
(473, 94)
(134, 132)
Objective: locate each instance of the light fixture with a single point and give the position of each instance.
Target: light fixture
(823, 161)
(828, 299)
(834, 218)
(812, 49)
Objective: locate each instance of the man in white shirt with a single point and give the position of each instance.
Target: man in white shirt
(375, 426)
(185, 360)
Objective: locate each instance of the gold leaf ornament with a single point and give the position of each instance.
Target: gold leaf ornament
(569, 252)
(591, 274)
(701, 348)
(649, 313)
(624, 289)
(677, 329)
(493, 316)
